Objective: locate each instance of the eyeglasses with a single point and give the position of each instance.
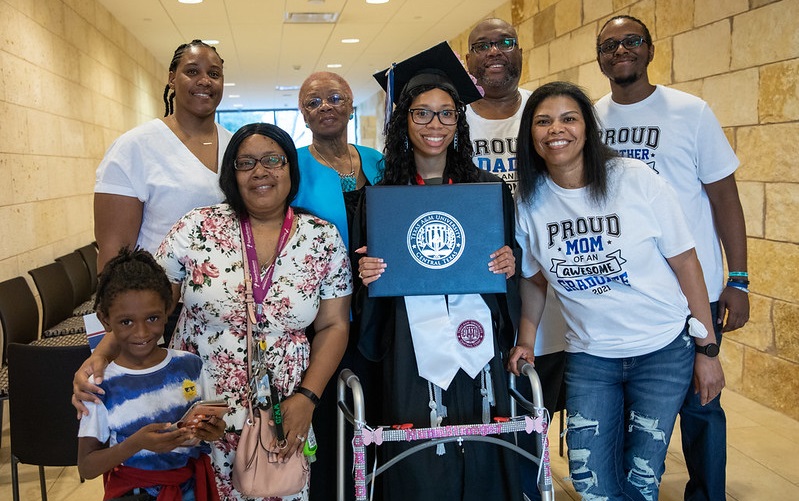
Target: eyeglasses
(631, 42)
(503, 45)
(332, 100)
(270, 162)
(422, 116)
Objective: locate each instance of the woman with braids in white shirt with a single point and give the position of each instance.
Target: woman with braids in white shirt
(155, 173)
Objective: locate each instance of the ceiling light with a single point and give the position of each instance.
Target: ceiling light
(238, 105)
(376, 1)
(190, 1)
(233, 96)
(350, 40)
(334, 66)
(230, 84)
(287, 87)
(311, 17)
(211, 41)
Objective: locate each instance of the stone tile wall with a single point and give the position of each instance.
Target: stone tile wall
(742, 57)
(72, 79)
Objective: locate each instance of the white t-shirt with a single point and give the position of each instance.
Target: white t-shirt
(137, 397)
(151, 164)
(494, 142)
(678, 136)
(607, 264)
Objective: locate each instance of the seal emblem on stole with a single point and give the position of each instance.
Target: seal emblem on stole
(470, 333)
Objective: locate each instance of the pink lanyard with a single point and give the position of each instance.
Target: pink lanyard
(260, 285)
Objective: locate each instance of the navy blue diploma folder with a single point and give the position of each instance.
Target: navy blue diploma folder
(435, 239)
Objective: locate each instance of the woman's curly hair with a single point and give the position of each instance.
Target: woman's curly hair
(400, 167)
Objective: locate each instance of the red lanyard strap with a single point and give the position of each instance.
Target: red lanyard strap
(420, 181)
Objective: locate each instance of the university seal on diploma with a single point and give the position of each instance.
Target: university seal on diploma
(436, 240)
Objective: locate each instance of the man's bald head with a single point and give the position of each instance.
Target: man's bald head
(496, 71)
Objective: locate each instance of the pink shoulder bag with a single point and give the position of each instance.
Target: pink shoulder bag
(257, 472)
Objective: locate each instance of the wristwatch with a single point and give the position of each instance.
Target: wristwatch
(711, 350)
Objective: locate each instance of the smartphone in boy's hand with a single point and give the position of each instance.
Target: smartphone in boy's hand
(202, 410)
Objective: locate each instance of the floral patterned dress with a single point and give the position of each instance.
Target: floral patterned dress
(203, 252)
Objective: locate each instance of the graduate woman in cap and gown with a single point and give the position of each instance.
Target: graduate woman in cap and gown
(427, 143)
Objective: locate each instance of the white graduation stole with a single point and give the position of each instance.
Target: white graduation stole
(450, 335)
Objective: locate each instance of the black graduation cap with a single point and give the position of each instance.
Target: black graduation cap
(437, 65)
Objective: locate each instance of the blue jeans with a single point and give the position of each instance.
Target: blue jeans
(621, 414)
(704, 441)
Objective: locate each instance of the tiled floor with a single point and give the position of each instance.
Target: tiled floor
(762, 462)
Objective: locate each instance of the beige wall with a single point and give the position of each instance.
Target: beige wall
(742, 56)
(71, 81)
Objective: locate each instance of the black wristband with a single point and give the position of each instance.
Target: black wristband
(309, 394)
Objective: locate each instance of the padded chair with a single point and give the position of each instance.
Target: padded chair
(80, 278)
(44, 431)
(89, 255)
(55, 292)
(19, 318)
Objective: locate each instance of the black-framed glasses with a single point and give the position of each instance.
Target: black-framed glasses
(630, 42)
(332, 100)
(423, 116)
(270, 162)
(503, 45)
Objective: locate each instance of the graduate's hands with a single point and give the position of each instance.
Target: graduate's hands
(370, 268)
(503, 261)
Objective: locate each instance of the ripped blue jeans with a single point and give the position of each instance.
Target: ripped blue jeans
(621, 413)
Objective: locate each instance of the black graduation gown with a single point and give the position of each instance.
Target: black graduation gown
(475, 470)
(323, 470)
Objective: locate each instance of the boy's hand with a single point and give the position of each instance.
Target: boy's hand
(210, 429)
(156, 437)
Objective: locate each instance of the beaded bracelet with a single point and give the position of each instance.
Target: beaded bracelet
(738, 285)
(738, 274)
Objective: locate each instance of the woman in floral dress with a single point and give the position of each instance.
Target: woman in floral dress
(311, 284)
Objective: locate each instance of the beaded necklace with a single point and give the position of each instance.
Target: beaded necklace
(348, 181)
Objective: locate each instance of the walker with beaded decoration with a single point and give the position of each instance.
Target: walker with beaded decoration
(365, 435)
